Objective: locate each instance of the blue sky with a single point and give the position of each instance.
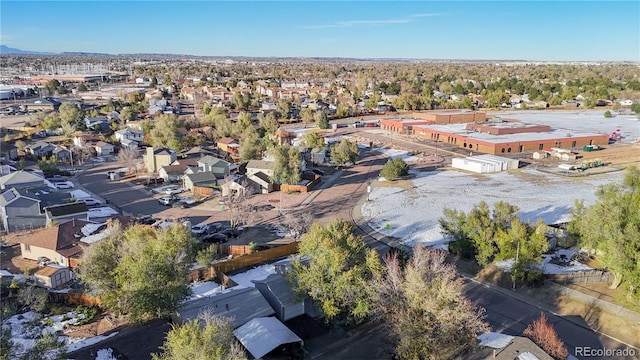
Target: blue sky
(501, 30)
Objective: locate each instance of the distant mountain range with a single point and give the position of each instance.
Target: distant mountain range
(8, 50)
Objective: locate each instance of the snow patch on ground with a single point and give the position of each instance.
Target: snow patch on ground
(559, 262)
(27, 327)
(105, 354)
(412, 214)
(258, 273)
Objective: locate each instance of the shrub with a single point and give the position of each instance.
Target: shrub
(607, 114)
(544, 335)
(394, 169)
(88, 312)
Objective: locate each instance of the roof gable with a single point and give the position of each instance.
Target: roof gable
(260, 164)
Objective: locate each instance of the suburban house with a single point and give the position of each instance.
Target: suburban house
(53, 276)
(263, 166)
(59, 244)
(103, 148)
(63, 244)
(40, 149)
(156, 158)
(62, 154)
(506, 347)
(217, 167)
(261, 183)
(204, 179)
(61, 213)
(285, 137)
(260, 173)
(99, 123)
(20, 210)
(177, 169)
(21, 179)
(130, 137)
(229, 146)
(240, 305)
(279, 294)
(238, 184)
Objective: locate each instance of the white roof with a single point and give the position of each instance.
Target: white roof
(79, 194)
(262, 335)
(494, 340)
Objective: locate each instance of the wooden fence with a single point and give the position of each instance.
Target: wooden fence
(74, 299)
(581, 277)
(262, 256)
(202, 190)
(300, 188)
(235, 250)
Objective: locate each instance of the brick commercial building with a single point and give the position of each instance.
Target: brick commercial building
(508, 137)
(405, 126)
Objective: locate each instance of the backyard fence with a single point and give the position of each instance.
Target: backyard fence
(74, 299)
(592, 301)
(262, 256)
(581, 277)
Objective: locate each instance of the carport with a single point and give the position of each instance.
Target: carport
(262, 335)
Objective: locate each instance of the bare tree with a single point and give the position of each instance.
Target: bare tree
(240, 211)
(129, 157)
(423, 309)
(298, 223)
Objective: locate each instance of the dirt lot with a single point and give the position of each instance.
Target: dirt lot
(614, 154)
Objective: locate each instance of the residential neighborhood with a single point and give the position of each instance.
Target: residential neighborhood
(294, 212)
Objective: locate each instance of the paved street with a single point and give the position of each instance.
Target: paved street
(341, 196)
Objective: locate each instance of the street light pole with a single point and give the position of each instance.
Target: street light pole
(514, 265)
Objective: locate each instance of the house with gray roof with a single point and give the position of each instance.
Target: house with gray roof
(241, 305)
(20, 211)
(61, 213)
(254, 166)
(202, 178)
(40, 149)
(218, 167)
(21, 179)
(279, 294)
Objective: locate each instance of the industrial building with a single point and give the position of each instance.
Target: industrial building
(485, 163)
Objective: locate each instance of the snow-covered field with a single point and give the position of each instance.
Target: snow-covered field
(581, 120)
(412, 214)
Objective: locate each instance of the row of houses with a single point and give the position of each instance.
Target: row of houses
(29, 201)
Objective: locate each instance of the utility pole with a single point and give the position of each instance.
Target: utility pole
(514, 265)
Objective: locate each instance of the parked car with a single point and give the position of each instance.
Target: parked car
(167, 200)
(213, 228)
(199, 229)
(215, 238)
(265, 207)
(231, 233)
(148, 220)
(90, 201)
(184, 202)
(63, 185)
(173, 191)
